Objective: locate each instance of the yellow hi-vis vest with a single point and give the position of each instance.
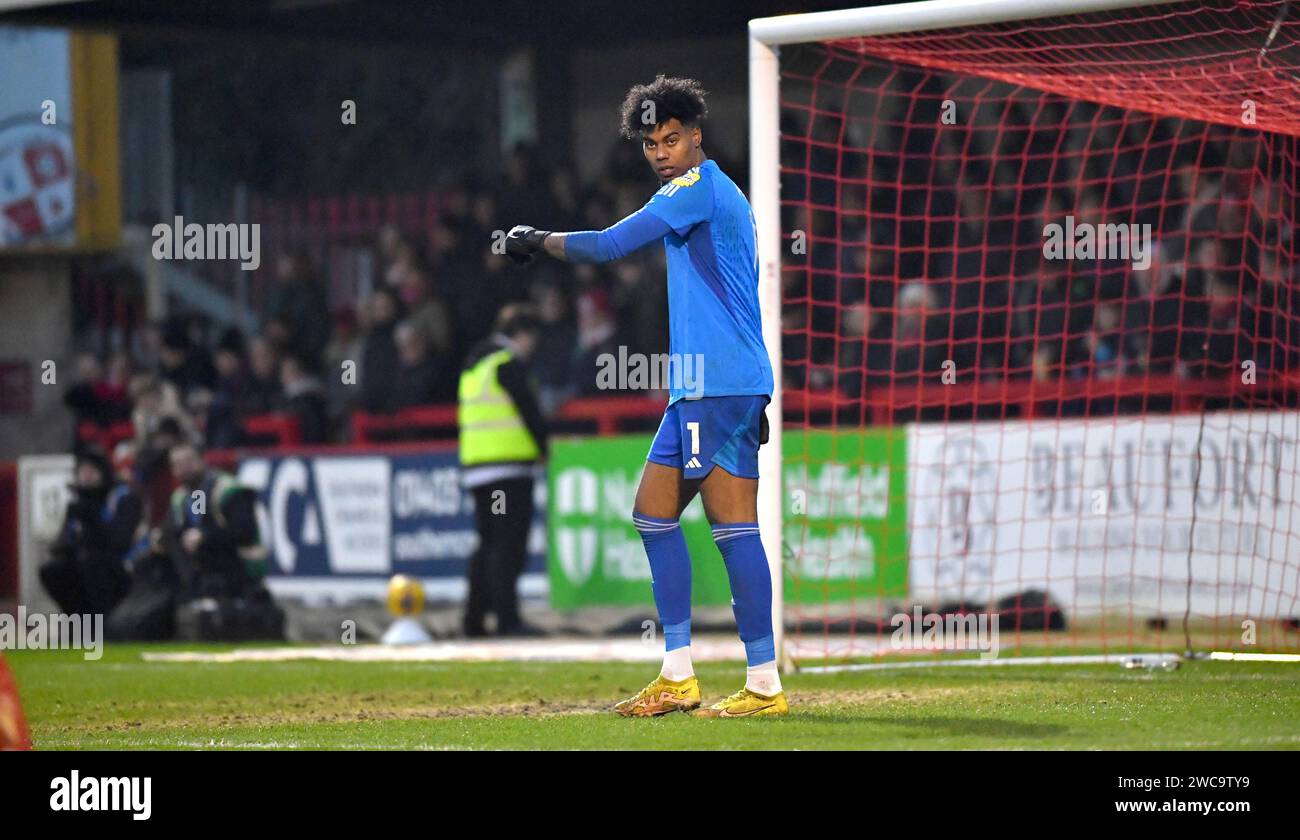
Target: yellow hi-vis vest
(491, 428)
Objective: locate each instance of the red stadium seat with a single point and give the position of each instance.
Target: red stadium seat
(283, 429)
(106, 437)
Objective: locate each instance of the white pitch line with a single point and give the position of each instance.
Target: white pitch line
(1098, 659)
(528, 650)
(1230, 656)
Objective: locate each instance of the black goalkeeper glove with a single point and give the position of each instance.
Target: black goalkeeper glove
(522, 242)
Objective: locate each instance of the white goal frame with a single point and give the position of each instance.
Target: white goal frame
(766, 35)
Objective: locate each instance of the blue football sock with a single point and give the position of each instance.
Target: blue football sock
(670, 572)
(751, 587)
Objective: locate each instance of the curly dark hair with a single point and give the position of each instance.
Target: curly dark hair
(672, 97)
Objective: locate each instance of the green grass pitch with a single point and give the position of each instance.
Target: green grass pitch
(123, 702)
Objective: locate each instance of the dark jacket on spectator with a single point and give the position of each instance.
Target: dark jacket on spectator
(88, 571)
(302, 307)
(98, 402)
(235, 399)
(379, 365)
(305, 400)
(421, 383)
(195, 371)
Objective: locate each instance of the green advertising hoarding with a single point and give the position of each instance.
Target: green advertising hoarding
(845, 533)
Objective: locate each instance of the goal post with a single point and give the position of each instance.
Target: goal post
(1016, 413)
(765, 193)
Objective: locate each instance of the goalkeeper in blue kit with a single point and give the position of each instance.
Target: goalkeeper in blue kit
(708, 440)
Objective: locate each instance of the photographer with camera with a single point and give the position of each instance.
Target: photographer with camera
(89, 568)
(211, 535)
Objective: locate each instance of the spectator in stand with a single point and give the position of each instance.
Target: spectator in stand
(407, 258)
(264, 390)
(564, 202)
(186, 365)
(387, 245)
(147, 347)
(233, 399)
(124, 455)
(1039, 314)
(1215, 339)
(444, 245)
(1153, 312)
(464, 223)
(525, 195)
(1101, 347)
(639, 299)
(420, 378)
(154, 399)
(342, 354)
(795, 368)
(94, 398)
(1045, 366)
(556, 344)
(1205, 266)
(304, 398)
(597, 336)
(426, 311)
(379, 359)
(151, 468)
(297, 309)
(920, 335)
(864, 354)
(1277, 307)
(118, 380)
(485, 281)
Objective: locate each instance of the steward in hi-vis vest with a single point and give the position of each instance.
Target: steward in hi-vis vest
(502, 439)
(492, 429)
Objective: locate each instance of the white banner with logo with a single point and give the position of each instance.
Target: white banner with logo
(1106, 515)
(43, 496)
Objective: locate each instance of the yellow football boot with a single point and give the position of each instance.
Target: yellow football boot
(661, 697)
(746, 703)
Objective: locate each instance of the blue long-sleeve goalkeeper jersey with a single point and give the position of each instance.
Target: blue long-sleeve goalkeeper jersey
(709, 238)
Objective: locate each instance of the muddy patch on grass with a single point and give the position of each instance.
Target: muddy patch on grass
(373, 707)
(316, 710)
(817, 698)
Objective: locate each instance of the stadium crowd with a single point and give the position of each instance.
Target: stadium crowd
(902, 266)
(432, 298)
(908, 261)
(912, 245)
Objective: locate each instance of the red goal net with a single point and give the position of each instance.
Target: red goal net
(1041, 332)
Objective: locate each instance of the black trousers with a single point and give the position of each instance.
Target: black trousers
(503, 514)
(81, 581)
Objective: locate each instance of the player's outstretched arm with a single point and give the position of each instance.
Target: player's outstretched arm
(614, 242)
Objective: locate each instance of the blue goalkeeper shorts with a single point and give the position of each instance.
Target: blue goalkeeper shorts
(696, 435)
